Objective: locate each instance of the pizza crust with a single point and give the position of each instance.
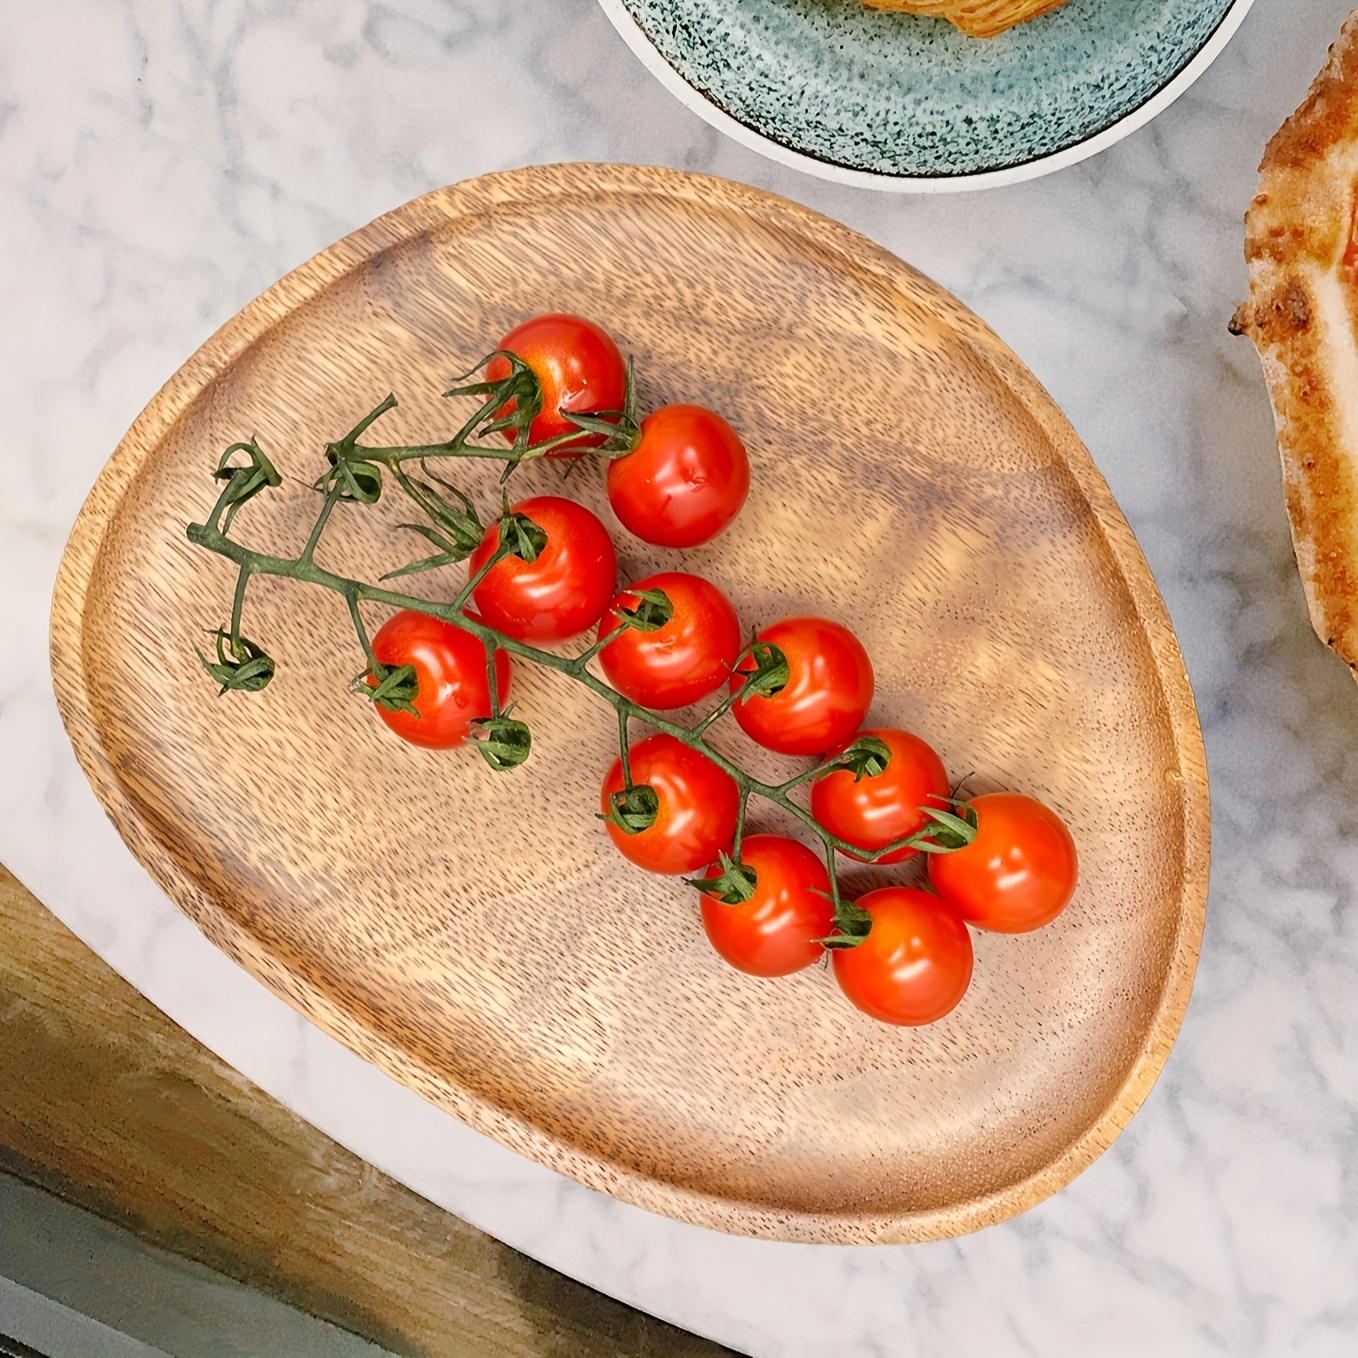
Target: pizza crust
(1303, 271)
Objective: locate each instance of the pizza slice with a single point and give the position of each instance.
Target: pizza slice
(1301, 245)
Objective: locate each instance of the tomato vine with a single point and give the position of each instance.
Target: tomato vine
(359, 473)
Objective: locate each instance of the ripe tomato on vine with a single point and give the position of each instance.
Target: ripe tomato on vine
(681, 646)
(561, 583)
(872, 810)
(823, 696)
(915, 963)
(452, 685)
(1019, 872)
(685, 479)
(679, 812)
(767, 914)
(578, 370)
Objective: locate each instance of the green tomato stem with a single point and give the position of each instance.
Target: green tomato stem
(244, 482)
(378, 669)
(308, 572)
(624, 750)
(492, 679)
(595, 647)
(238, 603)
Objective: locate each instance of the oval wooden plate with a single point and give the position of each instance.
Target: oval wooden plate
(911, 479)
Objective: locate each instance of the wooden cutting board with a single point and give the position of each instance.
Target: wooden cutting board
(911, 478)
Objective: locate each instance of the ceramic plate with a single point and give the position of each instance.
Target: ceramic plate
(475, 934)
(899, 101)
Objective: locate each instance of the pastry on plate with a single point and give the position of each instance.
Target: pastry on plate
(1301, 245)
(978, 18)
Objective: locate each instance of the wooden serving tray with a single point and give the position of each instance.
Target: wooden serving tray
(910, 478)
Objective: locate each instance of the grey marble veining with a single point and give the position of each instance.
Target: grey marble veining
(161, 163)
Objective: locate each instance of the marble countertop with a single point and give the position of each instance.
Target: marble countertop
(161, 163)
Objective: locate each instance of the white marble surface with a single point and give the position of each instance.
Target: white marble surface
(163, 162)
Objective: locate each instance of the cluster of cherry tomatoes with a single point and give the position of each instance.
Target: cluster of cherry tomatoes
(802, 687)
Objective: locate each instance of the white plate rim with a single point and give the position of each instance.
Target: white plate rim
(693, 99)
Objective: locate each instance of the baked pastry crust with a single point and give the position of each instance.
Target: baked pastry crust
(1301, 314)
(977, 18)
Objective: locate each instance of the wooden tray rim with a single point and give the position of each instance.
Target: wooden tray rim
(541, 183)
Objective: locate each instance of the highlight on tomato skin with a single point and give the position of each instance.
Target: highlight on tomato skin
(683, 661)
(1019, 873)
(578, 367)
(565, 590)
(450, 672)
(875, 810)
(697, 806)
(915, 964)
(775, 931)
(827, 694)
(684, 482)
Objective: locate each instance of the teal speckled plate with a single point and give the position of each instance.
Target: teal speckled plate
(899, 101)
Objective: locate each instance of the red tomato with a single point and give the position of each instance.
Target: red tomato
(561, 593)
(774, 932)
(874, 811)
(827, 694)
(578, 368)
(450, 669)
(682, 661)
(1019, 872)
(698, 803)
(914, 965)
(684, 482)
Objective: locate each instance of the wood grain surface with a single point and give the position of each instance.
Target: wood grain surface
(910, 478)
(110, 1105)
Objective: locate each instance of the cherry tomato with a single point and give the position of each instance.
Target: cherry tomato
(450, 671)
(578, 368)
(914, 965)
(684, 482)
(1019, 872)
(682, 661)
(696, 819)
(774, 932)
(561, 593)
(874, 811)
(827, 694)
